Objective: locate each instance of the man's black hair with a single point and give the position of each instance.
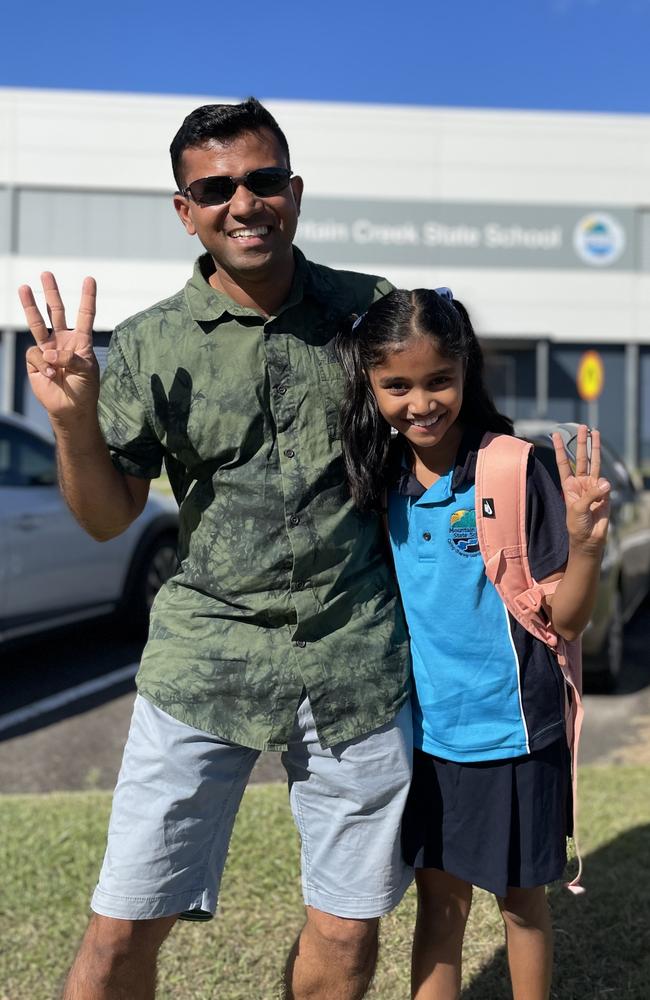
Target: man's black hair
(222, 123)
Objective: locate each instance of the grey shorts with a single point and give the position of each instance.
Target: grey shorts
(178, 793)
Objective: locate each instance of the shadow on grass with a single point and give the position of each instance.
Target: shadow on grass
(602, 939)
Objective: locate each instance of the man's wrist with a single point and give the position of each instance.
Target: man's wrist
(79, 436)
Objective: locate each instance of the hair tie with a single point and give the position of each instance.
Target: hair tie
(445, 293)
(358, 320)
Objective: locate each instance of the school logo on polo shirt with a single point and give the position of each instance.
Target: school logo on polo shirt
(463, 537)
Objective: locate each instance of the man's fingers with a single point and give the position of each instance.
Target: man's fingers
(49, 361)
(55, 307)
(35, 321)
(87, 307)
(37, 363)
(56, 310)
(69, 360)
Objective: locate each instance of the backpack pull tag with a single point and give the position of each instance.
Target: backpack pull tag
(488, 507)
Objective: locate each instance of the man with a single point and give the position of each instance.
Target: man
(282, 629)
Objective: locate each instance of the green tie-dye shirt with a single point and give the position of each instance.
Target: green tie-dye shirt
(283, 587)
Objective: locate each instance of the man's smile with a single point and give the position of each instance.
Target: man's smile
(250, 233)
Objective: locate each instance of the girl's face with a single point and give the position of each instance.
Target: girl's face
(419, 392)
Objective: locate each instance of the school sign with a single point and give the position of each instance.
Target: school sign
(459, 234)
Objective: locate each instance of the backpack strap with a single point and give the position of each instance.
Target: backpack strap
(501, 468)
(501, 474)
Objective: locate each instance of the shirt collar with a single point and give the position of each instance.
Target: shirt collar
(465, 462)
(403, 481)
(208, 305)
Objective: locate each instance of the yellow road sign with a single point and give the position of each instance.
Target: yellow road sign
(591, 375)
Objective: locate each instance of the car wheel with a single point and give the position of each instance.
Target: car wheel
(608, 663)
(153, 567)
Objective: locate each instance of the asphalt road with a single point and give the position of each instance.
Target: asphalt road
(78, 744)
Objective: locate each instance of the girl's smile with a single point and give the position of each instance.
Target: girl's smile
(427, 422)
(419, 392)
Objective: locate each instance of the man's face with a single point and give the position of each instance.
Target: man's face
(250, 237)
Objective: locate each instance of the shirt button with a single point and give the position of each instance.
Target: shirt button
(300, 643)
(289, 452)
(294, 519)
(281, 390)
(427, 536)
(299, 585)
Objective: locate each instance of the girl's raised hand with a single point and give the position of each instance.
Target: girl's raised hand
(62, 367)
(586, 494)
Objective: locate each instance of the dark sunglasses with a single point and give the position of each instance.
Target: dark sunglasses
(218, 190)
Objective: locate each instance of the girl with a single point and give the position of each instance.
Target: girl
(490, 802)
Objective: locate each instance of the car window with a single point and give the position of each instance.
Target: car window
(614, 469)
(25, 460)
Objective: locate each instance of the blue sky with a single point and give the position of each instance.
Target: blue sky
(585, 55)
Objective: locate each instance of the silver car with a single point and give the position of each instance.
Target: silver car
(625, 572)
(51, 572)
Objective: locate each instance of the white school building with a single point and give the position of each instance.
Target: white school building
(538, 221)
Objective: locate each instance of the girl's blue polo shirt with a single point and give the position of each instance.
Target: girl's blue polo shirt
(485, 689)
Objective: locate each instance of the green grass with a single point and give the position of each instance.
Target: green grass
(162, 485)
(51, 846)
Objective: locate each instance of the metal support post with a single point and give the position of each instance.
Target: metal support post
(8, 371)
(541, 378)
(632, 374)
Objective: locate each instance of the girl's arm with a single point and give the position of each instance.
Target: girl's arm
(586, 496)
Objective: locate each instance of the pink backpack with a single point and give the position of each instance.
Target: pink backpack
(501, 526)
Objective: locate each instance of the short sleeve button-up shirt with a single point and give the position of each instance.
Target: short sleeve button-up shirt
(283, 586)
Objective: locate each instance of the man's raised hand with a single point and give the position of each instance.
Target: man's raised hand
(62, 368)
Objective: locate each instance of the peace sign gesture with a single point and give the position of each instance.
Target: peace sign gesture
(62, 367)
(586, 495)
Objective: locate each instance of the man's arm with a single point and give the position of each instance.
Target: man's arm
(64, 377)
(104, 500)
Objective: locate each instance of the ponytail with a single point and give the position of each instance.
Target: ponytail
(365, 435)
(478, 409)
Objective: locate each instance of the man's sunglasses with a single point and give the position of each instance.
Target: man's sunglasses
(218, 190)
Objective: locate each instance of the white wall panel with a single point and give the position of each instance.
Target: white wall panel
(122, 287)
(138, 225)
(5, 221)
(119, 142)
(562, 307)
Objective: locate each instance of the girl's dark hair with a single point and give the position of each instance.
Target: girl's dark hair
(385, 327)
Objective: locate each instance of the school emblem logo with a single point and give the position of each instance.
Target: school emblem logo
(463, 537)
(599, 239)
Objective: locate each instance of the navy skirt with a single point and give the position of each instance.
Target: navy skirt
(493, 823)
